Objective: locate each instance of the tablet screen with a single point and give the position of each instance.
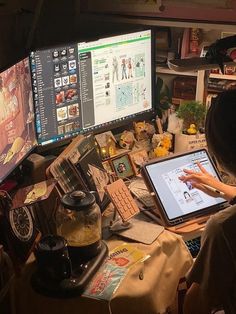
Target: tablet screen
(177, 198)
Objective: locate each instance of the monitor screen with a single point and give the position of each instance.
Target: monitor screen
(17, 130)
(116, 79)
(89, 86)
(56, 91)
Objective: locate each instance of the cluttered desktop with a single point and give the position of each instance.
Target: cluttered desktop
(98, 98)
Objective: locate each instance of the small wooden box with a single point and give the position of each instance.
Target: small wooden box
(184, 87)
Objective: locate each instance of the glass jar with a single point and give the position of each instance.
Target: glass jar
(79, 222)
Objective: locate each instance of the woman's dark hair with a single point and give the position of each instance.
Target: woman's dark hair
(220, 130)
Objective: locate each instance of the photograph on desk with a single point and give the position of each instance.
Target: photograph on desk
(122, 166)
(94, 175)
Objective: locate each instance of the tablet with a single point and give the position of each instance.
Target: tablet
(177, 201)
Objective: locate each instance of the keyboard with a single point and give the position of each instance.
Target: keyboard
(194, 246)
(122, 199)
(139, 189)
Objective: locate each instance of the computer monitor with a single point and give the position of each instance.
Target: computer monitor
(56, 92)
(116, 80)
(91, 86)
(17, 131)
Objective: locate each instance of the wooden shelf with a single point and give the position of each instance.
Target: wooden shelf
(150, 21)
(223, 77)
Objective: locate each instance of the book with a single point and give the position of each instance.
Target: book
(105, 282)
(94, 176)
(221, 85)
(126, 255)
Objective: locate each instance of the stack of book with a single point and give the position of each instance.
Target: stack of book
(219, 85)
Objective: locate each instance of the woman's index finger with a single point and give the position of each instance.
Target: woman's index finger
(200, 166)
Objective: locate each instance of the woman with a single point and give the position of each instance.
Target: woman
(212, 279)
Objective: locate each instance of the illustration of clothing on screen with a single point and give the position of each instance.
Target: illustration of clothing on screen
(130, 68)
(123, 69)
(114, 69)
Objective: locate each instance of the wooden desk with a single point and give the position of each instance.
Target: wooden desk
(169, 261)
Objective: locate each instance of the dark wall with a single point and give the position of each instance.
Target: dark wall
(21, 29)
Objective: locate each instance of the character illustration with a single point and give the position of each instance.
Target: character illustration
(123, 69)
(130, 68)
(114, 69)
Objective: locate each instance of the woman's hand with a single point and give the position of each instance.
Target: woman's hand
(201, 177)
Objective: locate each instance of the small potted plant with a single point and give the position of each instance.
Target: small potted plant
(193, 114)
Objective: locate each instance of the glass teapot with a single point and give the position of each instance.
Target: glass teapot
(79, 222)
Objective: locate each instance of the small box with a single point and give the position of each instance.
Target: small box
(184, 87)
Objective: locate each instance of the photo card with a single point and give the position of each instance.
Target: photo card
(122, 166)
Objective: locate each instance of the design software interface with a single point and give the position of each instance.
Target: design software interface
(56, 93)
(116, 79)
(81, 87)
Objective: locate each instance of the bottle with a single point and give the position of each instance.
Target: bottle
(194, 40)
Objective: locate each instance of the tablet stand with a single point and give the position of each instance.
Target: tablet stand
(190, 226)
(193, 225)
(118, 224)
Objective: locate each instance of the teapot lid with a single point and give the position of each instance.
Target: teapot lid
(78, 200)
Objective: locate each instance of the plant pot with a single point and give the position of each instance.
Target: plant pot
(184, 142)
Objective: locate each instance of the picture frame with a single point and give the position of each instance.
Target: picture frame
(122, 166)
(138, 158)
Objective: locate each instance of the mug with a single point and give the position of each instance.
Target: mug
(52, 258)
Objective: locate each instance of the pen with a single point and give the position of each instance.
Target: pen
(210, 188)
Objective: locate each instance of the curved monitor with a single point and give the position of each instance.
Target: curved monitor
(17, 130)
(116, 76)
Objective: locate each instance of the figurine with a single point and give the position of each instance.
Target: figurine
(160, 151)
(127, 140)
(140, 130)
(192, 129)
(164, 139)
(162, 144)
(143, 130)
